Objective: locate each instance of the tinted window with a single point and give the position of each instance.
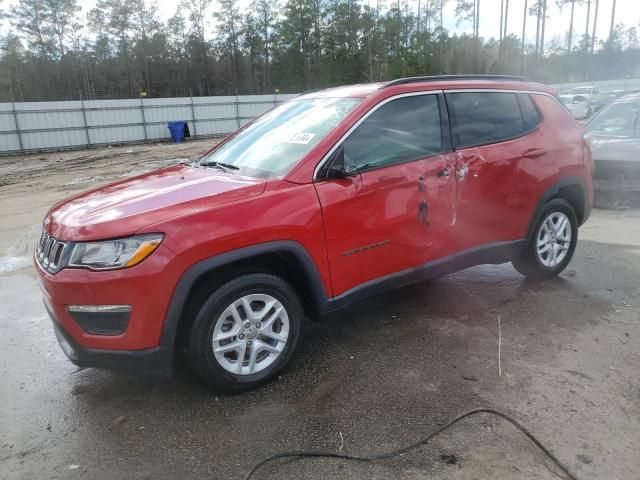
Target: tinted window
(402, 130)
(530, 115)
(484, 117)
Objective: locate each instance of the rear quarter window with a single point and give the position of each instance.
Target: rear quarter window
(481, 118)
(530, 114)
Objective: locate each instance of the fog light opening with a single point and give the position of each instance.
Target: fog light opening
(101, 319)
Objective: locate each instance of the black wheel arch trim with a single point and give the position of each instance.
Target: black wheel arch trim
(491, 253)
(193, 273)
(554, 191)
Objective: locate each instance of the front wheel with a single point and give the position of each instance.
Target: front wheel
(246, 332)
(550, 249)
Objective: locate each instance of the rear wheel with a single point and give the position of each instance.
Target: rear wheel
(245, 332)
(550, 249)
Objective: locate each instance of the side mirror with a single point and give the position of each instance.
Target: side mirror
(336, 165)
(337, 172)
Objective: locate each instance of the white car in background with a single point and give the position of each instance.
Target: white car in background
(578, 105)
(590, 93)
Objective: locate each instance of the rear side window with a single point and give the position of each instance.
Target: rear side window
(530, 115)
(481, 118)
(402, 130)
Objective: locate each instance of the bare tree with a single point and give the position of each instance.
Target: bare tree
(613, 21)
(266, 17)
(28, 17)
(524, 34)
(595, 23)
(561, 4)
(586, 28)
(593, 41)
(61, 16)
(229, 26)
(504, 22)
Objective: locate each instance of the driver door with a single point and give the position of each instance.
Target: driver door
(395, 208)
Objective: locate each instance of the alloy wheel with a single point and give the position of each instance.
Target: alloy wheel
(553, 239)
(250, 334)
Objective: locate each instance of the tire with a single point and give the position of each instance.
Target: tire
(562, 243)
(223, 323)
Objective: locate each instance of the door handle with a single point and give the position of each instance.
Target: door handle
(534, 153)
(444, 172)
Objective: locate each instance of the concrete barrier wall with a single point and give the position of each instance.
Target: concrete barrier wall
(40, 126)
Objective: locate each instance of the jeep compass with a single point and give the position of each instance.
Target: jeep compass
(324, 200)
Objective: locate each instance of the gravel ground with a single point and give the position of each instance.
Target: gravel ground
(374, 377)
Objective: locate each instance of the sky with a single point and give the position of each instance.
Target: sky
(627, 12)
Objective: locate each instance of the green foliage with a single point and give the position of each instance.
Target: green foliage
(121, 49)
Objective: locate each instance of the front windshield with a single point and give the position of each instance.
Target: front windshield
(619, 119)
(275, 142)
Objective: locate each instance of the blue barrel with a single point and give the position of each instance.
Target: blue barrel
(177, 131)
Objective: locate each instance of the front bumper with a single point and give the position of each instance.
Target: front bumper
(143, 346)
(157, 361)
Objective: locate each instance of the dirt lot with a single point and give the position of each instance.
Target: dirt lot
(30, 184)
(371, 378)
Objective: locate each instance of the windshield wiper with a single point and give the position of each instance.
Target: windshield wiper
(223, 166)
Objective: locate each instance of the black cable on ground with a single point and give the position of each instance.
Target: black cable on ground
(401, 451)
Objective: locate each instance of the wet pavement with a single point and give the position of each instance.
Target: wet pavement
(372, 378)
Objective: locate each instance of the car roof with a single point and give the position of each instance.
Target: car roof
(442, 82)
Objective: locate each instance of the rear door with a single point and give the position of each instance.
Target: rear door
(396, 212)
(501, 154)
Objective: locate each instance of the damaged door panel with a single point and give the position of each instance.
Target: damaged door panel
(498, 143)
(400, 207)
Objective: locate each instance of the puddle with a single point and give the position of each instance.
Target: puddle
(83, 182)
(18, 256)
(151, 166)
(11, 264)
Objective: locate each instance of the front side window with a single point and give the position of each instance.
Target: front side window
(481, 118)
(402, 130)
(617, 120)
(279, 139)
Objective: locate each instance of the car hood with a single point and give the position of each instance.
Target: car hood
(122, 208)
(615, 148)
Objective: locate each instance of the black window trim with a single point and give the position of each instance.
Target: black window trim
(497, 90)
(320, 170)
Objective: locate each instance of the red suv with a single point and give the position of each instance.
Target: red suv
(324, 200)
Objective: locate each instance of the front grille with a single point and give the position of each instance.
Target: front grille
(50, 252)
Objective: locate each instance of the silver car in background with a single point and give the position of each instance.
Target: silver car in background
(578, 105)
(615, 132)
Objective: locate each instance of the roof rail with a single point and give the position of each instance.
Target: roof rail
(440, 78)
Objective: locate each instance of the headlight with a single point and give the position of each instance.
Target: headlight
(111, 254)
